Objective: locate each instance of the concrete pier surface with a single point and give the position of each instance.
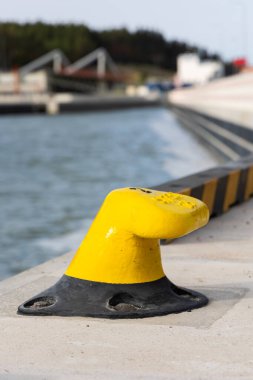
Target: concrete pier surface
(214, 342)
(229, 99)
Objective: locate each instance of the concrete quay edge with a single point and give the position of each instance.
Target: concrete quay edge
(210, 343)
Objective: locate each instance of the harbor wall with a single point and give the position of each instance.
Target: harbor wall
(220, 113)
(67, 102)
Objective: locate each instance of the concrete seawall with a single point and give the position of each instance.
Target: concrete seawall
(228, 99)
(58, 103)
(220, 113)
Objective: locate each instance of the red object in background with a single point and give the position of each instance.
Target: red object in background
(240, 62)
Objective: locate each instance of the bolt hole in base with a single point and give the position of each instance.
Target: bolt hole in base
(40, 302)
(184, 293)
(123, 302)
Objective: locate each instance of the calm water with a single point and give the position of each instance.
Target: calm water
(55, 171)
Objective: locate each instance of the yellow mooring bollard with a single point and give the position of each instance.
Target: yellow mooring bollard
(117, 270)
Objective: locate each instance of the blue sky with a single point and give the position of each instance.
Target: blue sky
(222, 26)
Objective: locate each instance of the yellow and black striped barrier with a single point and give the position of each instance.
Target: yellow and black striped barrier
(220, 188)
(117, 270)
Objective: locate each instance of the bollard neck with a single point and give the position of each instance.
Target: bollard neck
(111, 254)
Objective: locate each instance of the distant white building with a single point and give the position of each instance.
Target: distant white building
(11, 82)
(191, 70)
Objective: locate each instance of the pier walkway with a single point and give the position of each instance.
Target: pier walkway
(210, 343)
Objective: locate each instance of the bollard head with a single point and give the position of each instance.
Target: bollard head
(155, 214)
(117, 270)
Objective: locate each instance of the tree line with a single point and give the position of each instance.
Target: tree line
(22, 43)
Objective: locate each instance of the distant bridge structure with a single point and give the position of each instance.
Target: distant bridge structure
(105, 69)
(94, 71)
(56, 56)
(103, 60)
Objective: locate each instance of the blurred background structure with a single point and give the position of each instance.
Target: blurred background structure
(47, 50)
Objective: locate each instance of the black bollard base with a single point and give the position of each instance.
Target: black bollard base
(74, 297)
